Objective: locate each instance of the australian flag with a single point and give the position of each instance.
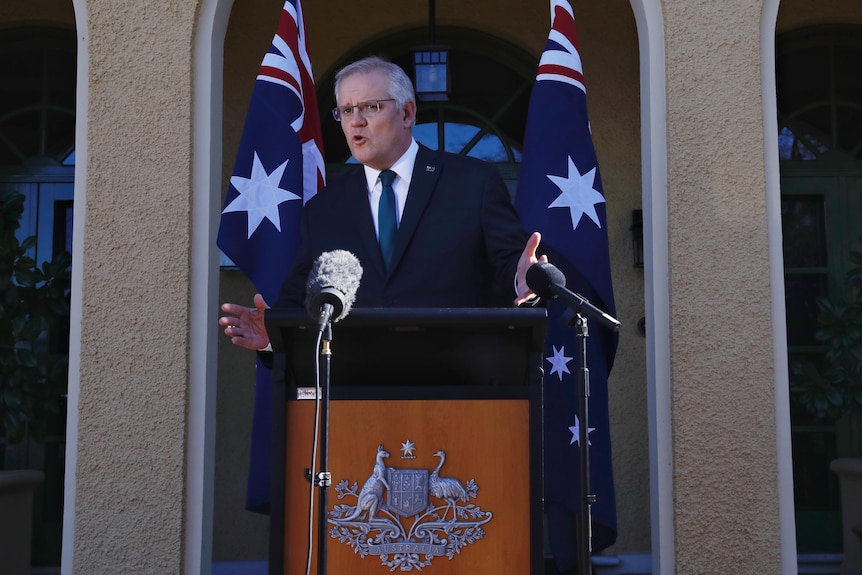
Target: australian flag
(560, 194)
(278, 168)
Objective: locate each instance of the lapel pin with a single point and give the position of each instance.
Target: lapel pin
(430, 168)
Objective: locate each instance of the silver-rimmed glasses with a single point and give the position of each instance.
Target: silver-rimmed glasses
(368, 108)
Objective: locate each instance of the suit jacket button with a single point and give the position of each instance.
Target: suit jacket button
(389, 302)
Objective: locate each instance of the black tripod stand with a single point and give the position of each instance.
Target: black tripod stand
(586, 499)
(581, 308)
(548, 281)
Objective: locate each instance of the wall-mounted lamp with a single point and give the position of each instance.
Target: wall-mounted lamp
(431, 72)
(637, 230)
(431, 66)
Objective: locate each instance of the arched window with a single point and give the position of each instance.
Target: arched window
(37, 130)
(486, 111)
(37, 97)
(820, 94)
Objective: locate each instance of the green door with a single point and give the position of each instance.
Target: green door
(822, 219)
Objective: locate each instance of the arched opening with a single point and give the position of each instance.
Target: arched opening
(485, 113)
(326, 102)
(818, 72)
(37, 159)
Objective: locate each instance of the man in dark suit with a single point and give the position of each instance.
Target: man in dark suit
(459, 241)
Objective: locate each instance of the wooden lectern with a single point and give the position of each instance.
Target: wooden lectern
(435, 442)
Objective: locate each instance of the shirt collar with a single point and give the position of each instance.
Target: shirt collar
(403, 167)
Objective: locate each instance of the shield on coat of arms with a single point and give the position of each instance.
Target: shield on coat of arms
(408, 491)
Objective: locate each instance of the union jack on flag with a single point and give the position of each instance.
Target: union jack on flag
(560, 194)
(279, 166)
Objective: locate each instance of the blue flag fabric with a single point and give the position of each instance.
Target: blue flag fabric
(279, 166)
(560, 194)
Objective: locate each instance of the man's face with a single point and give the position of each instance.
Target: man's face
(376, 140)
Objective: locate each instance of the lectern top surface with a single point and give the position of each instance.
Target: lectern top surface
(398, 346)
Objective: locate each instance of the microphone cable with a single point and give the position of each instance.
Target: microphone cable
(314, 447)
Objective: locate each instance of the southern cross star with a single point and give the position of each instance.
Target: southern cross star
(578, 194)
(576, 432)
(260, 195)
(559, 363)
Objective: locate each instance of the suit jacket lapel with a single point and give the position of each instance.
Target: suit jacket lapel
(425, 172)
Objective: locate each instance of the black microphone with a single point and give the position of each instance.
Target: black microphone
(547, 281)
(331, 287)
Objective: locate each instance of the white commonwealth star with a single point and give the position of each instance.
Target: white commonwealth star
(578, 194)
(576, 432)
(260, 195)
(559, 363)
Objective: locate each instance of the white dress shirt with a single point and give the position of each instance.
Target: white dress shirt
(403, 169)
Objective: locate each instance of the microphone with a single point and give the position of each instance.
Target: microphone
(331, 287)
(547, 281)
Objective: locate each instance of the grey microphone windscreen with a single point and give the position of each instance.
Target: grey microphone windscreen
(337, 270)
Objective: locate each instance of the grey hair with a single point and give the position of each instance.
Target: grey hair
(400, 86)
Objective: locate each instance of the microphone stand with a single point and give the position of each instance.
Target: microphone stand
(546, 280)
(324, 477)
(584, 524)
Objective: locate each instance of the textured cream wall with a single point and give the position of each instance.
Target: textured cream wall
(725, 474)
(612, 77)
(134, 370)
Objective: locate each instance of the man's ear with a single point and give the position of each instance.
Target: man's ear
(408, 112)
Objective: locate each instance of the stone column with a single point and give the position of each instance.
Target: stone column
(725, 469)
(130, 496)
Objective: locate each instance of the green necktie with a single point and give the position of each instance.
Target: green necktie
(386, 218)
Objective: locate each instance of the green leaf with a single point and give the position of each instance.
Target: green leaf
(25, 263)
(15, 426)
(13, 398)
(10, 296)
(26, 278)
(33, 311)
(819, 404)
(26, 358)
(29, 242)
(33, 327)
(60, 307)
(835, 396)
(61, 262)
(18, 324)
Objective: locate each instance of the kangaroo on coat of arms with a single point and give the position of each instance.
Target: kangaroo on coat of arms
(371, 496)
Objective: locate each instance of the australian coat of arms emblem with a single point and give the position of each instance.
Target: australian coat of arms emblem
(408, 516)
